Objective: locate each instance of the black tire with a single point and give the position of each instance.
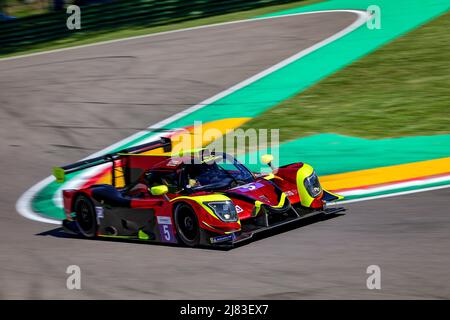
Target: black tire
(85, 217)
(186, 224)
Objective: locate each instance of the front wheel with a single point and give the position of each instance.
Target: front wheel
(85, 216)
(186, 223)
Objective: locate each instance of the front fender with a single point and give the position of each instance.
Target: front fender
(305, 198)
(207, 218)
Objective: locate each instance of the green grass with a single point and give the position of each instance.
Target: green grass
(18, 8)
(402, 89)
(82, 38)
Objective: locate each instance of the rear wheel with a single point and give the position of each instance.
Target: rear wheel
(186, 223)
(85, 217)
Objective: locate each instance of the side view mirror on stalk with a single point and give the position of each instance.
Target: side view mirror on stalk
(159, 190)
(267, 159)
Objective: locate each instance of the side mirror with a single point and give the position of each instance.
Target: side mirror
(159, 190)
(192, 183)
(267, 159)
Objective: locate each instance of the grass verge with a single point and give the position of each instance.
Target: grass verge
(401, 89)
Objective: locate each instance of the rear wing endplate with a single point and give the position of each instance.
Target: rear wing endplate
(60, 172)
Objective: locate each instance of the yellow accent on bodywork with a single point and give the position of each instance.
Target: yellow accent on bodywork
(201, 199)
(59, 174)
(195, 151)
(270, 176)
(279, 205)
(282, 201)
(305, 171)
(142, 235)
(224, 232)
(257, 207)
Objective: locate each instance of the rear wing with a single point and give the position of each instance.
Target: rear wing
(60, 172)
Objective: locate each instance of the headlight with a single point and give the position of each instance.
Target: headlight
(225, 210)
(312, 185)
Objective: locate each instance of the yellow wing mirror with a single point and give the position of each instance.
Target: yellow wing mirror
(192, 183)
(267, 159)
(159, 190)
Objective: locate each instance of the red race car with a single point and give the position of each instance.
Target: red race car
(198, 198)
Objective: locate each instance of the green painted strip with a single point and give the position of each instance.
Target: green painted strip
(333, 153)
(398, 17)
(43, 200)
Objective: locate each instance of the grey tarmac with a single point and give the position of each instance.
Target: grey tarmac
(57, 108)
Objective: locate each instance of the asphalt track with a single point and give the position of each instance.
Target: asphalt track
(60, 107)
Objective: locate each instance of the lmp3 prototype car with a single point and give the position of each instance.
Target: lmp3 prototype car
(198, 198)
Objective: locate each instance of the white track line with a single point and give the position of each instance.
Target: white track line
(23, 205)
(393, 186)
(395, 194)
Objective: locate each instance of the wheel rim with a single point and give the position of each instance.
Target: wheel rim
(187, 223)
(84, 216)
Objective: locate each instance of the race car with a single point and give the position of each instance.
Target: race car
(197, 198)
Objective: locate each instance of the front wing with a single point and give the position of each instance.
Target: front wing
(245, 236)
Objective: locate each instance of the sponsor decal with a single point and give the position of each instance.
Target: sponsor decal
(99, 213)
(227, 237)
(290, 193)
(166, 229)
(164, 220)
(250, 187)
(238, 209)
(173, 163)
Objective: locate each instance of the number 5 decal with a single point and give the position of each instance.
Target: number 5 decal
(166, 229)
(166, 232)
